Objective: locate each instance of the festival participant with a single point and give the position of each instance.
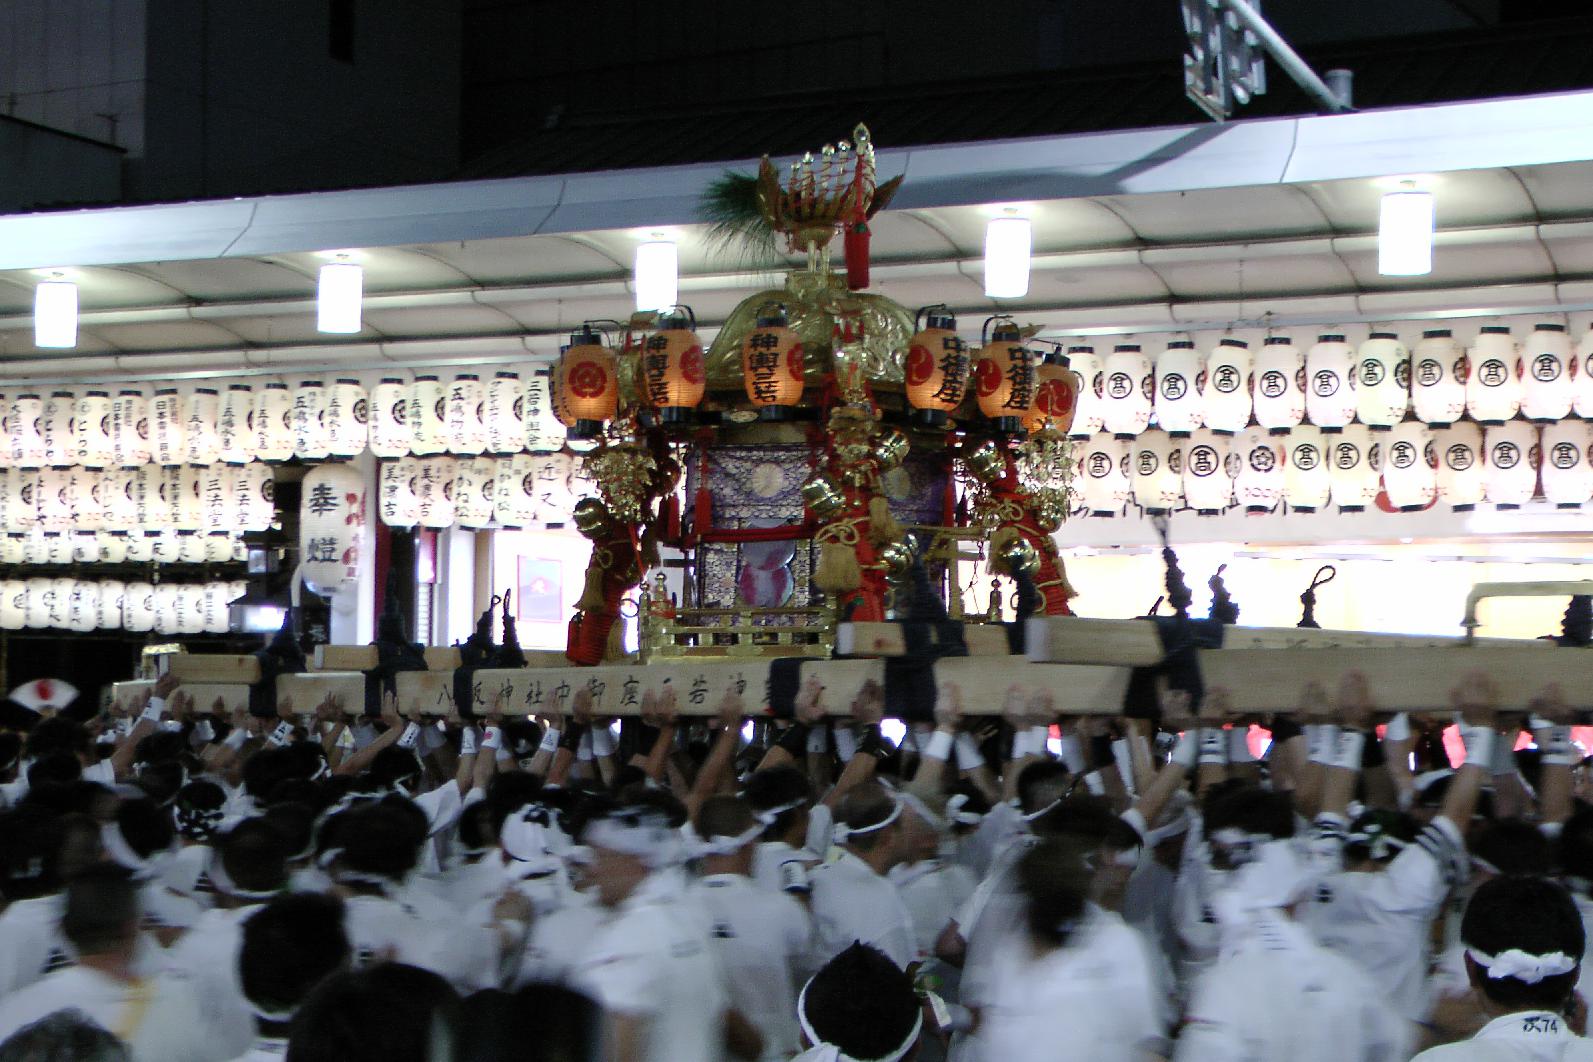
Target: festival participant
(65, 1036)
(860, 1008)
(388, 1012)
(853, 898)
(290, 945)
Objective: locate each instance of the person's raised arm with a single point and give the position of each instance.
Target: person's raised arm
(570, 741)
(152, 711)
(1321, 736)
(665, 716)
(1477, 700)
(868, 708)
(929, 782)
(1551, 719)
(1341, 763)
(791, 748)
(396, 728)
(727, 742)
(1153, 797)
(550, 714)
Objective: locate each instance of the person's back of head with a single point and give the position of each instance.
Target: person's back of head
(251, 861)
(394, 767)
(1511, 846)
(862, 1003)
(102, 911)
(10, 754)
(378, 842)
(385, 1013)
(142, 830)
(65, 1036)
(509, 792)
(265, 770)
(870, 813)
(294, 823)
(51, 778)
(29, 839)
(538, 1023)
(198, 810)
(724, 816)
(783, 792)
(161, 781)
(58, 734)
(1055, 881)
(1524, 942)
(1043, 783)
(1574, 848)
(290, 946)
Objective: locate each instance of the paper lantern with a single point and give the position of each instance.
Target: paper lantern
(514, 491)
(474, 483)
(201, 434)
(87, 510)
(1102, 473)
(58, 602)
(503, 413)
(1277, 380)
(164, 602)
(673, 375)
(219, 547)
(1155, 472)
(113, 546)
(166, 546)
(390, 434)
(434, 489)
(216, 504)
(13, 548)
(1355, 468)
(85, 547)
(34, 549)
(13, 604)
(1459, 474)
(1567, 473)
(1382, 375)
(53, 497)
(186, 492)
(1226, 398)
(1179, 376)
(235, 426)
(1129, 386)
(347, 417)
(1410, 467)
(273, 423)
(331, 524)
(253, 496)
(1510, 473)
(153, 511)
(425, 411)
(213, 612)
(108, 604)
(1258, 478)
(773, 363)
(308, 419)
(60, 447)
(587, 387)
(190, 608)
(140, 547)
(57, 547)
(466, 433)
(91, 429)
(116, 495)
(1208, 488)
(395, 492)
(1003, 374)
(1438, 379)
(1090, 410)
(1056, 393)
(544, 431)
(1583, 401)
(1493, 390)
(192, 549)
(129, 429)
(555, 500)
(83, 606)
(36, 602)
(1547, 364)
(1330, 383)
(25, 430)
(167, 444)
(1306, 486)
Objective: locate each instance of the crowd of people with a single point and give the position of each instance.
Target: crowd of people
(184, 886)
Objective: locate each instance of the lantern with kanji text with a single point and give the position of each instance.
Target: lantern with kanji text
(1226, 399)
(1493, 390)
(673, 372)
(1179, 369)
(1155, 471)
(1277, 379)
(234, 426)
(309, 420)
(937, 367)
(201, 440)
(1129, 383)
(347, 414)
(1306, 486)
(1438, 379)
(1355, 467)
(1547, 364)
(463, 426)
(1409, 466)
(1510, 471)
(772, 364)
(503, 415)
(425, 414)
(1459, 473)
(1003, 373)
(331, 524)
(273, 423)
(1258, 468)
(1330, 383)
(1382, 381)
(389, 423)
(1207, 486)
(1056, 392)
(1089, 411)
(1567, 471)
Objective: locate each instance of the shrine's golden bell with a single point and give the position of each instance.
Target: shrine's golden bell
(1018, 556)
(891, 449)
(590, 517)
(823, 497)
(898, 560)
(986, 463)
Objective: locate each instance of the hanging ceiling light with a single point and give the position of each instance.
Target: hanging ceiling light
(1007, 242)
(55, 313)
(657, 275)
(1405, 232)
(338, 297)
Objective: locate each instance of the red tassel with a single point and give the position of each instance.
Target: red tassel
(671, 519)
(857, 237)
(702, 510)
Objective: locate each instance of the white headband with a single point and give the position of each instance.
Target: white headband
(123, 855)
(768, 815)
(722, 845)
(955, 812)
(842, 832)
(217, 872)
(1523, 966)
(828, 1052)
(655, 844)
(1042, 812)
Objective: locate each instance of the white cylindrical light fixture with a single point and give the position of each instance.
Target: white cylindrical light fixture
(338, 297)
(1405, 232)
(55, 314)
(657, 275)
(1007, 245)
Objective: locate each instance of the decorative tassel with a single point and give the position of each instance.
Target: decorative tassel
(838, 571)
(671, 519)
(1323, 576)
(882, 526)
(592, 593)
(1223, 607)
(857, 240)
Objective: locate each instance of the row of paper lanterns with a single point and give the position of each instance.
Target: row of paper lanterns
(36, 548)
(1462, 464)
(274, 422)
(1332, 384)
(67, 604)
(522, 490)
(220, 500)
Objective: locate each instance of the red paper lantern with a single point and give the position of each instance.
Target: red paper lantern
(772, 364)
(1056, 394)
(1004, 376)
(672, 367)
(937, 367)
(586, 387)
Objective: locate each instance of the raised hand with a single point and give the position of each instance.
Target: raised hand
(166, 685)
(731, 711)
(809, 708)
(948, 707)
(868, 707)
(1354, 701)
(1477, 699)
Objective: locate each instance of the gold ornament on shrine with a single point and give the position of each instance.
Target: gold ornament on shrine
(624, 474)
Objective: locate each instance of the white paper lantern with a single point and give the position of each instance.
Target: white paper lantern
(165, 546)
(1459, 450)
(1258, 464)
(53, 496)
(36, 603)
(1102, 474)
(1583, 401)
(1409, 467)
(185, 487)
(1382, 375)
(219, 547)
(1547, 364)
(154, 514)
(164, 600)
(167, 441)
(1438, 379)
(59, 602)
(310, 440)
(474, 482)
(116, 495)
(253, 496)
(347, 418)
(1155, 472)
(129, 429)
(113, 546)
(503, 414)
(235, 428)
(217, 506)
(544, 432)
(201, 437)
(426, 412)
(56, 427)
(108, 605)
(434, 487)
(35, 550)
(1510, 472)
(1127, 399)
(273, 423)
(1208, 487)
(91, 429)
(331, 525)
(13, 604)
(13, 547)
(1277, 378)
(20, 497)
(83, 606)
(85, 547)
(1226, 398)
(25, 430)
(1089, 411)
(1493, 390)
(1178, 380)
(138, 607)
(83, 499)
(1355, 468)
(140, 547)
(389, 424)
(1567, 471)
(514, 501)
(555, 501)
(399, 504)
(1306, 485)
(466, 433)
(213, 611)
(1330, 383)
(191, 608)
(191, 547)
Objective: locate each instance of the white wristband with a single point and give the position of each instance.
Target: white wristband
(1094, 784)
(939, 745)
(819, 740)
(550, 741)
(1320, 741)
(583, 751)
(968, 755)
(1187, 751)
(124, 726)
(603, 742)
(1347, 750)
(154, 711)
(492, 738)
(204, 731)
(1213, 746)
(1479, 741)
(410, 737)
(845, 743)
(236, 739)
(1398, 728)
(1239, 745)
(1504, 754)
(467, 741)
(1558, 751)
(281, 735)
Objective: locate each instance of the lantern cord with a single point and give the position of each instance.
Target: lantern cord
(1178, 594)
(1223, 608)
(1156, 606)
(1323, 576)
(1576, 626)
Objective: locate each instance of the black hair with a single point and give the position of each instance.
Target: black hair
(10, 752)
(291, 945)
(662, 801)
(57, 734)
(1530, 914)
(102, 909)
(64, 1036)
(198, 809)
(295, 791)
(1253, 810)
(724, 816)
(145, 826)
(295, 824)
(160, 781)
(1055, 880)
(1575, 847)
(265, 770)
(1511, 845)
(393, 765)
(869, 804)
(538, 1023)
(30, 837)
(386, 1013)
(862, 1003)
(1387, 832)
(254, 855)
(377, 839)
(775, 787)
(475, 827)
(509, 792)
(56, 770)
(162, 746)
(1043, 782)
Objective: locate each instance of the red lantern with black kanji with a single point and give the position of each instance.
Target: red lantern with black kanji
(1056, 394)
(1004, 377)
(586, 387)
(772, 362)
(937, 367)
(672, 366)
